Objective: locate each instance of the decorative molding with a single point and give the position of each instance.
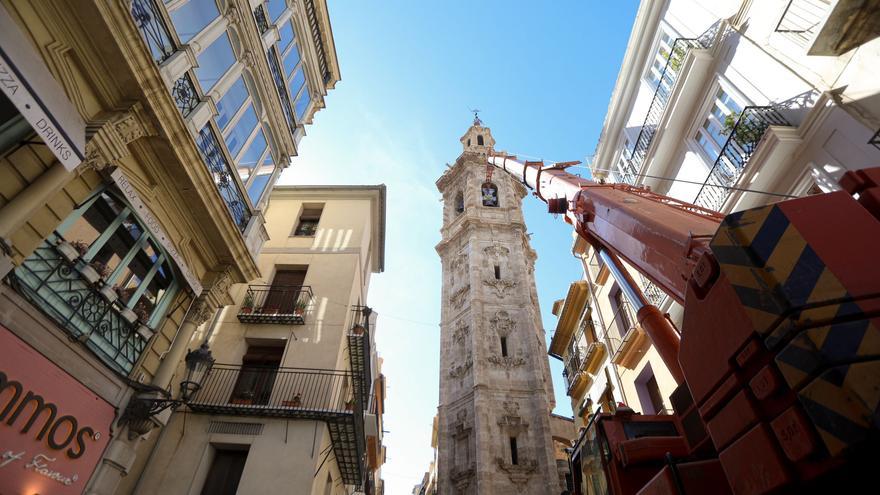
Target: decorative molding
(129, 128)
(458, 297)
(501, 323)
(460, 370)
(506, 361)
(510, 407)
(461, 331)
(496, 251)
(202, 311)
(501, 286)
(520, 473)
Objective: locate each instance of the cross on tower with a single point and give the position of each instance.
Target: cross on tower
(477, 120)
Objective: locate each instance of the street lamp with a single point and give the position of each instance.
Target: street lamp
(141, 409)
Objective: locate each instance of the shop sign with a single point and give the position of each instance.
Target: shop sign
(53, 430)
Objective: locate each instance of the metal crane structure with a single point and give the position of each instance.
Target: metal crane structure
(778, 358)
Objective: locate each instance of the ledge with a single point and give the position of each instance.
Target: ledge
(575, 302)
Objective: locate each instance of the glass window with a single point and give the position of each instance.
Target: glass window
(214, 62)
(287, 36)
(255, 190)
(302, 103)
(190, 18)
(308, 220)
(276, 8)
(252, 156)
(296, 82)
(241, 131)
(290, 60)
(231, 102)
(718, 125)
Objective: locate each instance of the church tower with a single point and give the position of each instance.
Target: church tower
(496, 393)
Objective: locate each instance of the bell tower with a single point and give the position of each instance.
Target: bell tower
(496, 393)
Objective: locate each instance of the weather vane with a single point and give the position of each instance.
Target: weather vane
(477, 120)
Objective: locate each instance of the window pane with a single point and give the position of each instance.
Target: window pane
(241, 131)
(257, 187)
(286, 32)
(252, 155)
(231, 102)
(290, 60)
(275, 8)
(214, 62)
(302, 104)
(94, 221)
(192, 17)
(296, 82)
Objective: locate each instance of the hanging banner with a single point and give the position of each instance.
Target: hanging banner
(53, 430)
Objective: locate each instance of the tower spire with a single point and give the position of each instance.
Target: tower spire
(477, 120)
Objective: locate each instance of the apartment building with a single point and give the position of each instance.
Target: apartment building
(294, 400)
(728, 105)
(137, 142)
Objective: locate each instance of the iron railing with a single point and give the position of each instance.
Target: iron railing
(577, 352)
(224, 177)
(281, 88)
(58, 287)
(275, 304)
(359, 353)
(620, 328)
(315, 28)
(875, 140)
(260, 19)
(655, 294)
(148, 19)
(800, 19)
(741, 142)
(293, 393)
(185, 94)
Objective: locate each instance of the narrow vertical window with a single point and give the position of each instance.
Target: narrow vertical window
(459, 203)
(514, 455)
(479, 140)
(308, 220)
(503, 346)
(497, 272)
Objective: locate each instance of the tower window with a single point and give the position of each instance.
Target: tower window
(490, 194)
(469, 142)
(514, 455)
(479, 139)
(308, 220)
(459, 203)
(497, 272)
(503, 346)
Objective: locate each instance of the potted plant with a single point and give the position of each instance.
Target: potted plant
(299, 307)
(296, 401)
(129, 315)
(142, 311)
(247, 305)
(71, 250)
(89, 271)
(357, 329)
(243, 398)
(349, 405)
(110, 293)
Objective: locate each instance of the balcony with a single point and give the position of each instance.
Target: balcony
(154, 29)
(572, 310)
(801, 20)
(268, 304)
(626, 340)
(291, 393)
(72, 293)
(359, 353)
(741, 143)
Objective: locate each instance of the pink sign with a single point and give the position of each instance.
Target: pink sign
(53, 430)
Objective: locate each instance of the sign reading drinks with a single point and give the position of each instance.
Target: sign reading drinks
(53, 430)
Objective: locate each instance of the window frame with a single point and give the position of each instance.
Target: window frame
(647, 76)
(706, 113)
(308, 207)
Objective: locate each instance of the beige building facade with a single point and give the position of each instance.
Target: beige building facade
(294, 401)
(138, 140)
(728, 105)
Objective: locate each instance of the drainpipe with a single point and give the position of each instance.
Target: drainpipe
(659, 330)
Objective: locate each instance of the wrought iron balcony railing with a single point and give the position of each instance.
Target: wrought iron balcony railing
(148, 18)
(623, 322)
(741, 143)
(294, 393)
(224, 177)
(800, 19)
(185, 94)
(63, 289)
(359, 353)
(281, 88)
(312, 19)
(260, 19)
(275, 304)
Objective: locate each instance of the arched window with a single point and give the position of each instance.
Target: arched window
(479, 139)
(469, 142)
(459, 203)
(489, 193)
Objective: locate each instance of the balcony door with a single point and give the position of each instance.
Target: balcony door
(285, 291)
(259, 368)
(225, 472)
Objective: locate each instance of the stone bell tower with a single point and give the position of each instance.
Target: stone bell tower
(495, 388)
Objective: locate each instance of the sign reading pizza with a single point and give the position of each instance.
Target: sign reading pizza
(53, 430)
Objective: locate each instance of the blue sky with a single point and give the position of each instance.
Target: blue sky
(542, 74)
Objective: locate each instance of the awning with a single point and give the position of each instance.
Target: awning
(27, 82)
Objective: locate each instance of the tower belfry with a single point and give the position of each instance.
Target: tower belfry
(496, 393)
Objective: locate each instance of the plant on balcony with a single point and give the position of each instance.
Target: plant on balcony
(247, 305)
(142, 310)
(93, 272)
(110, 293)
(71, 250)
(296, 401)
(349, 404)
(299, 307)
(746, 132)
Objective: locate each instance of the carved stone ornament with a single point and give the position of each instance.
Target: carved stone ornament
(519, 474)
(461, 478)
(506, 361)
(461, 332)
(460, 370)
(458, 297)
(247, 58)
(496, 251)
(459, 262)
(201, 311)
(501, 323)
(510, 407)
(501, 286)
(129, 128)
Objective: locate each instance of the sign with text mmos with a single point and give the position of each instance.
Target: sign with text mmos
(53, 430)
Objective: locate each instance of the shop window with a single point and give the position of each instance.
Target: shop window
(225, 471)
(489, 194)
(308, 220)
(459, 203)
(102, 276)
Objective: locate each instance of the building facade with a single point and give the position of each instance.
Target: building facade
(728, 105)
(137, 142)
(294, 401)
(496, 395)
